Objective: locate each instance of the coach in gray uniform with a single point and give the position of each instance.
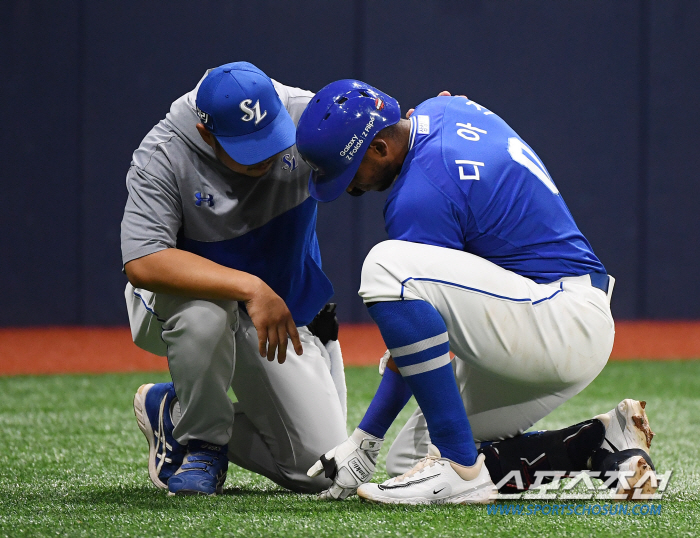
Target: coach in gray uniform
(219, 245)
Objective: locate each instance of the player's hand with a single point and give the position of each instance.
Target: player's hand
(273, 322)
(349, 465)
(443, 93)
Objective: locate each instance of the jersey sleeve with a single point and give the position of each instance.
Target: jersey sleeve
(153, 212)
(422, 213)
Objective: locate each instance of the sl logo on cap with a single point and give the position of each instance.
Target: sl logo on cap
(251, 113)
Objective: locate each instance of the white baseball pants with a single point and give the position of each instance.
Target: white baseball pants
(286, 416)
(522, 348)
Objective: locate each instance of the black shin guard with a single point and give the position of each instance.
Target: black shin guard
(565, 450)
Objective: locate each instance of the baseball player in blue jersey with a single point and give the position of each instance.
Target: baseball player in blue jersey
(219, 245)
(483, 259)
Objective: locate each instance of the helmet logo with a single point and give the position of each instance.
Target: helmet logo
(251, 113)
(378, 104)
(354, 141)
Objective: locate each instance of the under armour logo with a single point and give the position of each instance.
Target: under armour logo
(251, 113)
(290, 162)
(206, 198)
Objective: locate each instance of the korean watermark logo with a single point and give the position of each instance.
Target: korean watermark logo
(615, 485)
(571, 509)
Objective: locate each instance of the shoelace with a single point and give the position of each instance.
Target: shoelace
(423, 464)
(162, 446)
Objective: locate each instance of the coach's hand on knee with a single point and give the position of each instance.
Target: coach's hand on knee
(274, 322)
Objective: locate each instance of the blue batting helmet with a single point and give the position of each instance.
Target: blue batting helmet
(335, 130)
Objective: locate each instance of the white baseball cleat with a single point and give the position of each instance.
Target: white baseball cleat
(434, 480)
(627, 426)
(636, 469)
(628, 438)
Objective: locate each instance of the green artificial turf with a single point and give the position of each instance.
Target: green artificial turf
(73, 462)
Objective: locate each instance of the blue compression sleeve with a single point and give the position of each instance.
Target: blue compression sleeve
(391, 397)
(416, 335)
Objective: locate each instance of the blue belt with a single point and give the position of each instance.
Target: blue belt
(600, 281)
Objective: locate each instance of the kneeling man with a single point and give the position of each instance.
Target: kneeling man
(484, 260)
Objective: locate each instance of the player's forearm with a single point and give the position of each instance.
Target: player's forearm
(178, 272)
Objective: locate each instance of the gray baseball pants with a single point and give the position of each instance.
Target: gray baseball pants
(286, 415)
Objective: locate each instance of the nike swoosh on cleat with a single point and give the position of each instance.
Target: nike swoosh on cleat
(438, 491)
(406, 484)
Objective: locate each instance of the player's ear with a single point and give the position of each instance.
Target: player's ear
(206, 135)
(379, 147)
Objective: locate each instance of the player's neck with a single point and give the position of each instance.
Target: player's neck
(402, 139)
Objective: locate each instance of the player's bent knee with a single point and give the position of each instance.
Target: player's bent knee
(299, 482)
(380, 280)
(295, 477)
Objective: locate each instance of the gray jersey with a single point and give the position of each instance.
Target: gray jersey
(181, 196)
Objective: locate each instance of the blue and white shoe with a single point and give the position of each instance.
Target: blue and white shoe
(203, 471)
(152, 409)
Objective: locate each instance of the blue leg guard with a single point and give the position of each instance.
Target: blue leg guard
(391, 397)
(416, 335)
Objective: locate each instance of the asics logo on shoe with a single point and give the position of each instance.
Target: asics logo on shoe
(162, 446)
(406, 484)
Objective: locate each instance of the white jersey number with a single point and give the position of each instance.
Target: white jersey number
(523, 155)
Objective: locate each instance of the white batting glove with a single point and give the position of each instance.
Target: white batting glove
(383, 362)
(349, 465)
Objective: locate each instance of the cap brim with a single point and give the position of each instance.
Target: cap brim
(256, 147)
(326, 189)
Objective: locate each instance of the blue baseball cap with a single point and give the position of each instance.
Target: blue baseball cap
(238, 104)
(335, 130)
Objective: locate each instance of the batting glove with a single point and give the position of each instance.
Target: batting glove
(349, 465)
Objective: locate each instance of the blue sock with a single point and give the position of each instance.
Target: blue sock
(416, 335)
(391, 397)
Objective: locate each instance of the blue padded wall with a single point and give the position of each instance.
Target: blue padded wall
(605, 92)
